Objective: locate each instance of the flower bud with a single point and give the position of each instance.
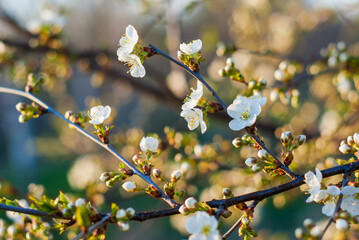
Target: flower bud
(283, 65)
(274, 95)
(79, 202)
(176, 175)
(350, 140)
(191, 203)
(120, 214)
(345, 148)
(221, 73)
(68, 114)
(299, 233)
(250, 161)
(105, 177)
(66, 212)
(227, 192)
(183, 210)
(300, 139)
(23, 118)
(286, 137)
(20, 106)
(256, 167)
(263, 82)
(123, 226)
(237, 142)
(139, 159)
(71, 205)
(227, 69)
(181, 56)
(341, 224)
(245, 221)
(356, 138)
(316, 231)
(185, 166)
(130, 212)
(230, 62)
(308, 223)
(263, 154)
(157, 173)
(252, 84)
(129, 186)
(279, 75)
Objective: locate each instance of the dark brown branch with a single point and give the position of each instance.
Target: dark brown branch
(30, 211)
(94, 227)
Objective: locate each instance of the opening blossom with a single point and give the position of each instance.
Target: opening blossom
(99, 114)
(313, 182)
(350, 201)
(149, 144)
(196, 95)
(127, 44)
(194, 117)
(193, 47)
(245, 111)
(202, 226)
(330, 198)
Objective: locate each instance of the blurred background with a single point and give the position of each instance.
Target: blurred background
(74, 43)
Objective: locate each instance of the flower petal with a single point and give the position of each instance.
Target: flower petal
(333, 190)
(328, 209)
(237, 124)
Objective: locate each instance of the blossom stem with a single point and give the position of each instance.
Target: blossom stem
(340, 199)
(88, 135)
(92, 228)
(239, 221)
(281, 165)
(194, 74)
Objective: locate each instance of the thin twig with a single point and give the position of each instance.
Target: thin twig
(332, 218)
(88, 135)
(239, 221)
(94, 227)
(30, 211)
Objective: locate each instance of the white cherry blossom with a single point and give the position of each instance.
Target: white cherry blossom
(196, 95)
(194, 117)
(136, 67)
(192, 47)
(202, 226)
(149, 144)
(350, 202)
(245, 111)
(330, 200)
(313, 182)
(128, 41)
(99, 114)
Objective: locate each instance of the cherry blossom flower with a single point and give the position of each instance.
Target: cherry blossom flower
(194, 117)
(136, 67)
(350, 201)
(99, 114)
(149, 144)
(192, 47)
(313, 182)
(330, 199)
(196, 95)
(245, 111)
(128, 41)
(202, 226)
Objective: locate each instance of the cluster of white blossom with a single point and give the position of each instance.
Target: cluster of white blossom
(125, 52)
(99, 114)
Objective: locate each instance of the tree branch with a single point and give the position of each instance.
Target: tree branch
(94, 227)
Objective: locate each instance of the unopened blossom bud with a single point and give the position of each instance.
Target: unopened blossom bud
(263, 81)
(256, 167)
(20, 106)
(183, 209)
(68, 114)
(227, 69)
(350, 140)
(308, 223)
(71, 205)
(274, 95)
(344, 215)
(221, 72)
(286, 137)
(252, 84)
(120, 214)
(245, 221)
(185, 166)
(105, 177)
(176, 175)
(181, 56)
(345, 148)
(130, 212)
(356, 138)
(341, 45)
(129, 186)
(230, 62)
(123, 226)
(79, 202)
(263, 154)
(23, 118)
(299, 233)
(237, 142)
(66, 212)
(250, 161)
(316, 231)
(300, 139)
(191, 203)
(341, 224)
(139, 159)
(279, 75)
(227, 192)
(157, 173)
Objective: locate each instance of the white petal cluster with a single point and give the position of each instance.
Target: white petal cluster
(202, 226)
(127, 44)
(99, 114)
(193, 47)
(194, 117)
(245, 111)
(195, 96)
(313, 182)
(331, 196)
(149, 144)
(350, 201)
